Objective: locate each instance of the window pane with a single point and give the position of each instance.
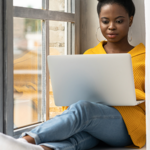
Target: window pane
(28, 3)
(57, 47)
(27, 71)
(62, 5)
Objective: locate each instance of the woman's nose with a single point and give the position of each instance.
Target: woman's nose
(112, 26)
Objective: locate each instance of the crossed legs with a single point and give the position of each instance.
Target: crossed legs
(81, 127)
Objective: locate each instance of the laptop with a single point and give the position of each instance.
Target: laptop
(106, 79)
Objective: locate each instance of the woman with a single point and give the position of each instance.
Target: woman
(84, 123)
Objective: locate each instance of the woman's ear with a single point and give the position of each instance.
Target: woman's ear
(131, 21)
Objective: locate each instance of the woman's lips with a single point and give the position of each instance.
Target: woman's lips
(112, 35)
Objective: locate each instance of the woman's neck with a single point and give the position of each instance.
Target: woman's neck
(118, 47)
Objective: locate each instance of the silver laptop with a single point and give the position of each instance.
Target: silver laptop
(106, 79)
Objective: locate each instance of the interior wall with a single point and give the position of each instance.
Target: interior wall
(90, 24)
(147, 80)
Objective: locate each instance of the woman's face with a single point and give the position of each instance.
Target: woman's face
(114, 22)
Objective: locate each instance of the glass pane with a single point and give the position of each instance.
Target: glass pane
(27, 71)
(28, 3)
(62, 5)
(57, 47)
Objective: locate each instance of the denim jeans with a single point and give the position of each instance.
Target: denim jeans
(81, 127)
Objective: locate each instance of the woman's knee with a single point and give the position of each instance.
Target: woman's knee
(81, 105)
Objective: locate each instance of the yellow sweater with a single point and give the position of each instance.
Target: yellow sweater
(133, 116)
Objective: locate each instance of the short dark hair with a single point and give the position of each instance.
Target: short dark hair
(127, 4)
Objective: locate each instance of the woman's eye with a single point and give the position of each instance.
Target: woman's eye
(119, 21)
(105, 22)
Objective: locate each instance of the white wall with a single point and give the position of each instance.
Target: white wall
(147, 10)
(90, 23)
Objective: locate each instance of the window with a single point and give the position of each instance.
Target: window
(62, 5)
(29, 4)
(33, 31)
(27, 71)
(58, 46)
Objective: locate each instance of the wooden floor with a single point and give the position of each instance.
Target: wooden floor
(106, 148)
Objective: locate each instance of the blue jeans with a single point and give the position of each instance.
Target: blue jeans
(81, 127)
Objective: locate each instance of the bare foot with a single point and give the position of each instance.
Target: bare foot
(29, 139)
(46, 148)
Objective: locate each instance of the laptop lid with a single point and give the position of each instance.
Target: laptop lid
(107, 79)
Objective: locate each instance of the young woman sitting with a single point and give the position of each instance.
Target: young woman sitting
(84, 124)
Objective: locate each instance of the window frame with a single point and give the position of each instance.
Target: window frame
(1, 66)
(6, 80)
(7, 26)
